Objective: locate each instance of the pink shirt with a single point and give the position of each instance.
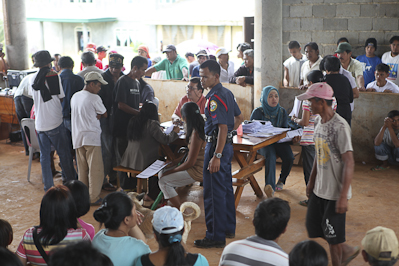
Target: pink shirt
(201, 104)
(88, 227)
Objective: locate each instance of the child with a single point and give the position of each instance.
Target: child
(86, 110)
(387, 142)
(6, 234)
(292, 66)
(381, 84)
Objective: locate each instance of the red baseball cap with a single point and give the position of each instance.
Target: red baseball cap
(320, 90)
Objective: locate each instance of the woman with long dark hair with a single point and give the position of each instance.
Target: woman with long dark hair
(58, 227)
(119, 216)
(191, 169)
(145, 135)
(168, 225)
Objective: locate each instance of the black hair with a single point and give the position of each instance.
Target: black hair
(371, 40)
(212, 65)
(137, 123)
(271, 218)
(393, 113)
(197, 80)
(6, 233)
(294, 44)
(315, 76)
(81, 253)
(331, 63)
(194, 120)
(56, 55)
(65, 62)
(9, 258)
(382, 67)
(81, 196)
(394, 38)
(138, 62)
(243, 46)
(328, 102)
(176, 253)
(212, 57)
(308, 253)
(115, 207)
(342, 39)
(57, 215)
(312, 45)
(189, 54)
(88, 58)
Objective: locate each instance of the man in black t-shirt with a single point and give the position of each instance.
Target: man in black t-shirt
(126, 105)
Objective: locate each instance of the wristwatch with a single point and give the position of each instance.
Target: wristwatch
(218, 155)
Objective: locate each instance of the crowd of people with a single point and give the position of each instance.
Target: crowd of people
(104, 117)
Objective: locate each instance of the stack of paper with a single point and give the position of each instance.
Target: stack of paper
(291, 134)
(256, 126)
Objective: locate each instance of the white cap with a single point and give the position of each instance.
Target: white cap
(167, 220)
(91, 76)
(221, 51)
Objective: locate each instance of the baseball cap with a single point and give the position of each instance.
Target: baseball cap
(202, 52)
(343, 47)
(169, 48)
(116, 60)
(167, 220)
(221, 51)
(371, 42)
(320, 90)
(101, 49)
(92, 76)
(381, 243)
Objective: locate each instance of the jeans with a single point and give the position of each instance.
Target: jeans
(283, 150)
(385, 152)
(107, 150)
(58, 138)
(23, 106)
(308, 154)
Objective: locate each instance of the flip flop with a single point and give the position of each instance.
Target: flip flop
(279, 186)
(351, 257)
(379, 168)
(303, 203)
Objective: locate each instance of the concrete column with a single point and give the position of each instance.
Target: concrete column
(16, 34)
(85, 35)
(268, 51)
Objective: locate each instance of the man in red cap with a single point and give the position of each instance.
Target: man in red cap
(329, 186)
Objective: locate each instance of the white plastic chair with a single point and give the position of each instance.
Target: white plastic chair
(28, 126)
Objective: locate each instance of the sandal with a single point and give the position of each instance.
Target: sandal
(379, 168)
(269, 191)
(304, 203)
(279, 186)
(109, 187)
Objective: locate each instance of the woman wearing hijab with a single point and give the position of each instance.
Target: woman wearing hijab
(273, 112)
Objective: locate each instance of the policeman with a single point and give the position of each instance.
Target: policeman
(223, 116)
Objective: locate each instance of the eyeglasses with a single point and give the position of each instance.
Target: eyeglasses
(190, 88)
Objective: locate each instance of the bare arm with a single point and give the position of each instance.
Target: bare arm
(347, 174)
(24, 261)
(185, 74)
(214, 163)
(380, 136)
(137, 233)
(305, 119)
(286, 77)
(127, 109)
(149, 71)
(360, 83)
(312, 179)
(356, 93)
(238, 120)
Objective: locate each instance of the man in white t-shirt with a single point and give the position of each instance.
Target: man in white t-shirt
(381, 84)
(270, 220)
(313, 63)
(392, 60)
(293, 65)
(46, 90)
(86, 110)
(226, 66)
(329, 186)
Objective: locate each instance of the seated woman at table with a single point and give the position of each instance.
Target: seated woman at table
(273, 112)
(191, 169)
(145, 134)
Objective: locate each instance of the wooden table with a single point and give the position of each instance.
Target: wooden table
(7, 110)
(245, 149)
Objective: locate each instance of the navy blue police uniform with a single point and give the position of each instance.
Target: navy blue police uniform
(220, 214)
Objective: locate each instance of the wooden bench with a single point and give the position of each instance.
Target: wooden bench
(132, 173)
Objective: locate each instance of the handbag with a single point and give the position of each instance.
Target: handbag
(39, 246)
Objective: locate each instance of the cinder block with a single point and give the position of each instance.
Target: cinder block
(348, 11)
(389, 35)
(287, 2)
(290, 24)
(361, 1)
(300, 11)
(392, 10)
(301, 37)
(324, 11)
(382, 49)
(385, 24)
(286, 11)
(323, 37)
(286, 38)
(335, 1)
(379, 36)
(312, 1)
(357, 50)
(352, 36)
(335, 24)
(329, 49)
(359, 24)
(373, 10)
(311, 24)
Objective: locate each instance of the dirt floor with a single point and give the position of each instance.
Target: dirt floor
(374, 203)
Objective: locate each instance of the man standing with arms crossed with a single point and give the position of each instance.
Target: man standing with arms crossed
(329, 186)
(223, 116)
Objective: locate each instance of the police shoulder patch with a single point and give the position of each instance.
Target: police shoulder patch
(213, 105)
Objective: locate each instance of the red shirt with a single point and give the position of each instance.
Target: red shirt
(201, 104)
(99, 64)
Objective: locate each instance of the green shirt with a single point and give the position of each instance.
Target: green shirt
(173, 71)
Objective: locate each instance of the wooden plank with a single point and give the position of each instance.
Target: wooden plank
(249, 169)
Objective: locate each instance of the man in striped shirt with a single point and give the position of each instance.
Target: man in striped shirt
(270, 221)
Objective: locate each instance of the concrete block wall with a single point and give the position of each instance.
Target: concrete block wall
(325, 21)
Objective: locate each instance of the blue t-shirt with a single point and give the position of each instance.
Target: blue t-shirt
(122, 251)
(195, 71)
(201, 261)
(369, 64)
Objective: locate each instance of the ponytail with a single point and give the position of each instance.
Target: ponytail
(176, 254)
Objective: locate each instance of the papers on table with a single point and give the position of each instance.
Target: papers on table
(152, 169)
(268, 132)
(291, 134)
(296, 108)
(170, 128)
(256, 126)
